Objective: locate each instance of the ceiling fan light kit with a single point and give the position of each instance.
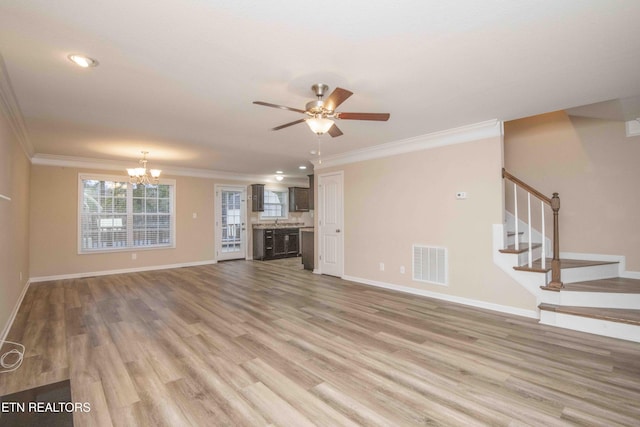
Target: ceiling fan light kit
(322, 112)
(319, 125)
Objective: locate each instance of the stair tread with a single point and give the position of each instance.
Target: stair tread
(574, 263)
(536, 266)
(513, 233)
(619, 315)
(614, 285)
(523, 247)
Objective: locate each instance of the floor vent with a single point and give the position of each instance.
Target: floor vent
(430, 264)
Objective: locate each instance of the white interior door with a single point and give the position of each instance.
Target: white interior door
(330, 223)
(230, 222)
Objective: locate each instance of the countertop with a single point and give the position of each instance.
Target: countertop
(263, 226)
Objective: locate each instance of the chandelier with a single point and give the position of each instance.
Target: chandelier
(140, 175)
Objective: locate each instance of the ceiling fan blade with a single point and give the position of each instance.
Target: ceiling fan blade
(337, 97)
(382, 117)
(289, 124)
(334, 131)
(282, 107)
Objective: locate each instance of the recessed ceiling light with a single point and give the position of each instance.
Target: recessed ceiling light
(82, 61)
(279, 172)
(302, 167)
(279, 177)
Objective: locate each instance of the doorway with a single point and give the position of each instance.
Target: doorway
(331, 224)
(231, 219)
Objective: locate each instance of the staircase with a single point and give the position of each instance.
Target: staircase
(586, 293)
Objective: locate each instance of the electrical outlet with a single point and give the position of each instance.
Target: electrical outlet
(134, 256)
(382, 266)
(195, 215)
(461, 195)
(402, 269)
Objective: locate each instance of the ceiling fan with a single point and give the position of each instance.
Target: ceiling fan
(320, 112)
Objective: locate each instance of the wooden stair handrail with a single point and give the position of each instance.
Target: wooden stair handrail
(526, 186)
(554, 202)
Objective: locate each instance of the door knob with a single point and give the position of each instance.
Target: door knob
(338, 230)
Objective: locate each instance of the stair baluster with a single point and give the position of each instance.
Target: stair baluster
(543, 256)
(515, 212)
(530, 254)
(554, 203)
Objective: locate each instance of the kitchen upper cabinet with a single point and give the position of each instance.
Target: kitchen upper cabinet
(311, 193)
(257, 197)
(298, 199)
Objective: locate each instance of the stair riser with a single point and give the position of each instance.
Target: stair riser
(511, 240)
(605, 328)
(523, 258)
(595, 272)
(598, 299)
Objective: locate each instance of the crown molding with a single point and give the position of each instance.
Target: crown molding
(115, 165)
(11, 111)
(459, 135)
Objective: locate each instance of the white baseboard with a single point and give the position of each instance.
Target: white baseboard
(121, 271)
(631, 274)
(14, 313)
(533, 314)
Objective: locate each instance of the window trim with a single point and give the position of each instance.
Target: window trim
(285, 204)
(122, 178)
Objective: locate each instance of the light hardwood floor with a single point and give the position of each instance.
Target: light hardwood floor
(265, 343)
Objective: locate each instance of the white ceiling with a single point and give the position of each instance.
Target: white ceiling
(177, 77)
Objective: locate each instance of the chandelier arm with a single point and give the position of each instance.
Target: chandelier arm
(141, 175)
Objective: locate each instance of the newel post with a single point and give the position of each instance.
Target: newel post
(556, 282)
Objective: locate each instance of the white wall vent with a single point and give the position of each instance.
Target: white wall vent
(430, 264)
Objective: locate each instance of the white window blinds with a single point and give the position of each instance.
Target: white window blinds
(275, 204)
(117, 215)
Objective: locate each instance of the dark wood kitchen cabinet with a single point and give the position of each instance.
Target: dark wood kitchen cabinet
(311, 193)
(298, 199)
(257, 197)
(308, 258)
(273, 243)
(262, 244)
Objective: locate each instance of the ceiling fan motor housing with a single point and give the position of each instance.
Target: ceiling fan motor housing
(315, 107)
(320, 89)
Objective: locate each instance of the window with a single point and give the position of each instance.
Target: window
(275, 204)
(117, 215)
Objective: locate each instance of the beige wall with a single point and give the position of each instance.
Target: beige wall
(594, 167)
(14, 222)
(395, 202)
(54, 247)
